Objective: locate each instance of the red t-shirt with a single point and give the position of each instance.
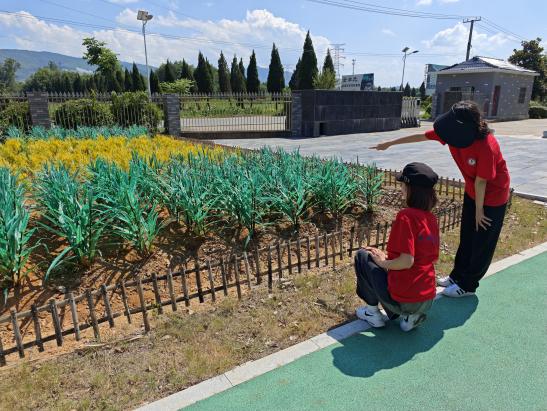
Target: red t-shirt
(414, 232)
(483, 158)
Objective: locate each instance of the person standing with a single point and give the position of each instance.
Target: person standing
(403, 281)
(487, 190)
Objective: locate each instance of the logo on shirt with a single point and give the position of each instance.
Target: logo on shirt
(472, 162)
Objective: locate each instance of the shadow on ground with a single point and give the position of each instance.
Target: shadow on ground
(385, 348)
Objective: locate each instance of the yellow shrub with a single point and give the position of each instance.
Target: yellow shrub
(28, 157)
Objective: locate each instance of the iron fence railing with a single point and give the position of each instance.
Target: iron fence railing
(235, 112)
(410, 112)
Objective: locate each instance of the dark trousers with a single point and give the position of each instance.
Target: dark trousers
(476, 248)
(372, 283)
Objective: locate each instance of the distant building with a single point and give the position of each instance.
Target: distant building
(501, 89)
(431, 77)
(356, 82)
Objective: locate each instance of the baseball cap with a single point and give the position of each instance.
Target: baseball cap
(455, 129)
(418, 174)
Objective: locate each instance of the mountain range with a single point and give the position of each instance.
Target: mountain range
(31, 61)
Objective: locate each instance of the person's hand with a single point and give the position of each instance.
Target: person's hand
(378, 256)
(481, 220)
(381, 146)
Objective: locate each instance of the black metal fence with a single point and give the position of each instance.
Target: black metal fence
(235, 112)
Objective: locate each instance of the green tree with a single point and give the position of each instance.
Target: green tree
(202, 75)
(276, 75)
(413, 92)
(237, 82)
(223, 75)
(170, 75)
(127, 81)
(186, 71)
(326, 80)
(406, 91)
(136, 79)
(154, 83)
(422, 91)
(379, 88)
(242, 69)
(97, 54)
(8, 69)
(328, 64)
(78, 84)
(180, 86)
(253, 83)
(120, 80)
(532, 57)
(308, 69)
(294, 82)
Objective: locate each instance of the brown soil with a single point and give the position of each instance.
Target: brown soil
(174, 250)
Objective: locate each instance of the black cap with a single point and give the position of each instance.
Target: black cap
(455, 129)
(418, 174)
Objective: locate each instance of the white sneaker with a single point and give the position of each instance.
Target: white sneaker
(409, 322)
(374, 318)
(445, 281)
(455, 291)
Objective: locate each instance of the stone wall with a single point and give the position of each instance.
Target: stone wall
(334, 112)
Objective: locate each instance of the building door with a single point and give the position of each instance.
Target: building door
(495, 101)
(450, 98)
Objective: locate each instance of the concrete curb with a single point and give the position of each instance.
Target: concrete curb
(253, 369)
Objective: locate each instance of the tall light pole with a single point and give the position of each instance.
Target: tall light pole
(143, 16)
(405, 50)
(353, 66)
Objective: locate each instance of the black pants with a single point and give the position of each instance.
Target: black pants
(372, 283)
(476, 248)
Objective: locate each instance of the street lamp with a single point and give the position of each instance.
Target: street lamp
(405, 50)
(145, 18)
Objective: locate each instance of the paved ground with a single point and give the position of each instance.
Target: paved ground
(523, 148)
(478, 353)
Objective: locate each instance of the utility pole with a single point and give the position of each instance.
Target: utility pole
(472, 21)
(353, 66)
(338, 50)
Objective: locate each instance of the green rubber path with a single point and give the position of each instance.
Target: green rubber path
(487, 352)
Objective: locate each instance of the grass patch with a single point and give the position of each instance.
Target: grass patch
(190, 346)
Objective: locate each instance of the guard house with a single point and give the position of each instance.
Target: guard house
(501, 89)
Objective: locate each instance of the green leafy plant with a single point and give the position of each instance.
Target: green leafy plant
(135, 108)
(73, 114)
(14, 114)
(71, 209)
(370, 183)
(15, 235)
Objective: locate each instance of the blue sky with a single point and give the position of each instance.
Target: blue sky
(182, 27)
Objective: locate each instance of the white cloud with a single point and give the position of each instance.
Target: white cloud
(453, 40)
(424, 2)
(449, 1)
(388, 32)
(258, 30)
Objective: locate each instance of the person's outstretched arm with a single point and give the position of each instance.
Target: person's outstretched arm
(414, 138)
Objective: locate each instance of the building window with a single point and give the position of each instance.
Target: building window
(522, 95)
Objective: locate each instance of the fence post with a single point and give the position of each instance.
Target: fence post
(171, 112)
(39, 110)
(296, 114)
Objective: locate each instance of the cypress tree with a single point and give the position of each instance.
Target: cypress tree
(413, 92)
(170, 76)
(237, 82)
(186, 71)
(379, 88)
(127, 81)
(91, 84)
(308, 66)
(253, 83)
(154, 83)
(136, 79)
(120, 80)
(328, 64)
(67, 84)
(202, 75)
(406, 91)
(294, 82)
(223, 75)
(242, 69)
(78, 85)
(276, 76)
(422, 91)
